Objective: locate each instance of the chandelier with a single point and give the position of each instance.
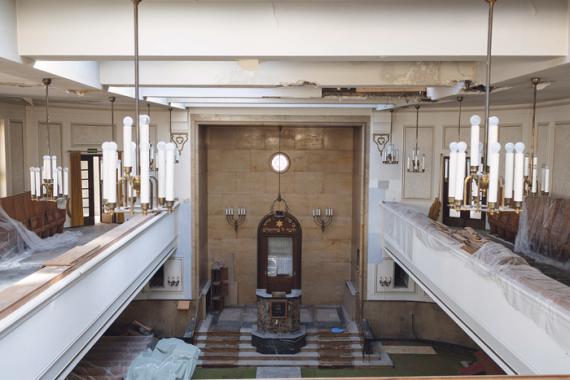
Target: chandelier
(128, 182)
(50, 183)
(482, 189)
(416, 161)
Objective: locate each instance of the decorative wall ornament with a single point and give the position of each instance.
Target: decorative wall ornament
(325, 220)
(53, 185)
(178, 138)
(235, 218)
(389, 153)
(385, 282)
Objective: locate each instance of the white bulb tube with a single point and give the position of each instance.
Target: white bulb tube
(127, 139)
(144, 125)
(526, 165)
(59, 180)
(38, 182)
(493, 131)
(109, 173)
(65, 181)
(546, 179)
(169, 193)
(32, 181)
(519, 172)
(509, 169)
(460, 178)
(145, 175)
(534, 187)
(494, 163)
(475, 131)
(134, 158)
(161, 168)
(452, 170)
(46, 173)
(54, 174)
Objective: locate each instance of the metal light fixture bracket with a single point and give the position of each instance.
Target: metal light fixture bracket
(381, 140)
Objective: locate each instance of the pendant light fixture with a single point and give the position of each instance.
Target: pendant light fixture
(391, 154)
(482, 189)
(531, 160)
(134, 181)
(416, 161)
(52, 184)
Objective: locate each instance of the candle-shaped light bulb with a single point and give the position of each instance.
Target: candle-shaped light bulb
(509, 169)
(169, 193)
(534, 182)
(519, 172)
(32, 182)
(134, 161)
(59, 181)
(493, 136)
(127, 140)
(526, 165)
(65, 181)
(161, 168)
(494, 163)
(546, 179)
(145, 174)
(460, 178)
(144, 126)
(475, 131)
(54, 174)
(109, 174)
(46, 172)
(452, 170)
(38, 182)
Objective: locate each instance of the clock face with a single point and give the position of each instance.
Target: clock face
(280, 162)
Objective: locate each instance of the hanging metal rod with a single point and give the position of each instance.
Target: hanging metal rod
(460, 100)
(417, 125)
(47, 82)
(137, 90)
(488, 81)
(535, 82)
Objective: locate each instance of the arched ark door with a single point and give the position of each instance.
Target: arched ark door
(279, 253)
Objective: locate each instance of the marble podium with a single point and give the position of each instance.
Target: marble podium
(278, 329)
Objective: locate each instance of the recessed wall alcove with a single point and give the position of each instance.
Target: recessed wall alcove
(231, 168)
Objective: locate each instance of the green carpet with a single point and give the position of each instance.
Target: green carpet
(225, 373)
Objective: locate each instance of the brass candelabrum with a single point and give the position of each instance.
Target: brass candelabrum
(472, 202)
(323, 221)
(234, 221)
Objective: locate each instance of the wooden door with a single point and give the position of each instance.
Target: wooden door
(279, 253)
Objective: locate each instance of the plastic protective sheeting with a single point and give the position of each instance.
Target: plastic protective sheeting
(544, 231)
(171, 359)
(17, 242)
(544, 300)
(401, 222)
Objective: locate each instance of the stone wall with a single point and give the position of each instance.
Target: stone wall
(239, 175)
(414, 320)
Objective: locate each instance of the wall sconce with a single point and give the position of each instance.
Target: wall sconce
(385, 282)
(232, 220)
(323, 221)
(389, 153)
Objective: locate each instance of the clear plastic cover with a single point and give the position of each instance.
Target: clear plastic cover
(544, 231)
(17, 242)
(171, 359)
(544, 300)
